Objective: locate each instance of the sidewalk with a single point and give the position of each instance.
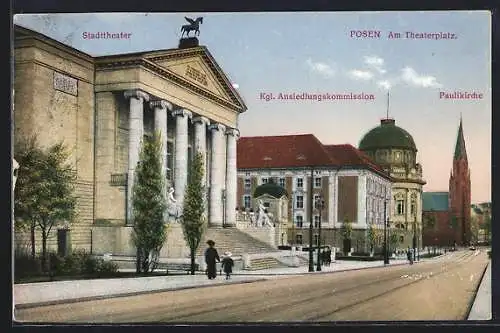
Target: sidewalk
(44, 293)
(481, 309)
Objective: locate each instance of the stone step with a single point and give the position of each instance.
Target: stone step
(265, 263)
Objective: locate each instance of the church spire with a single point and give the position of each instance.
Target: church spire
(460, 151)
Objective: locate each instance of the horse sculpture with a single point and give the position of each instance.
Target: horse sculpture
(193, 26)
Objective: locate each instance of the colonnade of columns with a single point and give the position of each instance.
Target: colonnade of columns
(223, 176)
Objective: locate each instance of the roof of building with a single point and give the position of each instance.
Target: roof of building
(270, 188)
(460, 151)
(283, 151)
(349, 156)
(435, 201)
(298, 151)
(387, 135)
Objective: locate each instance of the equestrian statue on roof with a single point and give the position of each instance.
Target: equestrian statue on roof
(193, 26)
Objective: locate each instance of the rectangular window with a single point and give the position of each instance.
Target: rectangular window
(300, 183)
(170, 160)
(316, 201)
(317, 182)
(247, 201)
(298, 239)
(282, 182)
(400, 207)
(316, 240)
(413, 208)
(316, 221)
(248, 183)
(299, 221)
(300, 202)
(265, 180)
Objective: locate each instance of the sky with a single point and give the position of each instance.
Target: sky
(315, 53)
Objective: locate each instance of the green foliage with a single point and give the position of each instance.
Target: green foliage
(44, 194)
(148, 205)
(372, 236)
(193, 219)
(77, 264)
(431, 221)
(394, 239)
(346, 229)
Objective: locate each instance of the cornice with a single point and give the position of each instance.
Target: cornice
(149, 64)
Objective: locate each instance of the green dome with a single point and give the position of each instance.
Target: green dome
(271, 189)
(387, 135)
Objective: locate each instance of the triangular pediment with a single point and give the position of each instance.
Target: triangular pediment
(197, 67)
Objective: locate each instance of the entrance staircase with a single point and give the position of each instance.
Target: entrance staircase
(265, 263)
(234, 241)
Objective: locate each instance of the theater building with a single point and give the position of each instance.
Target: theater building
(351, 185)
(102, 107)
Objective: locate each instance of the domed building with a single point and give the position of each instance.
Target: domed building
(394, 149)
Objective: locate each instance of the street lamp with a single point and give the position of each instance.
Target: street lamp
(320, 205)
(386, 254)
(311, 257)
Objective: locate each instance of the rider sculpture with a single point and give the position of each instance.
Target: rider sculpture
(193, 26)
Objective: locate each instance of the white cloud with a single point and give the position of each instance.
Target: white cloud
(385, 84)
(236, 85)
(321, 68)
(410, 76)
(358, 74)
(375, 62)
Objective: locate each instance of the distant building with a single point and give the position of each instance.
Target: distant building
(443, 227)
(394, 149)
(480, 214)
(352, 185)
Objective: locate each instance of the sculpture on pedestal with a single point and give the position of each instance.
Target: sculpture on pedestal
(193, 26)
(263, 218)
(173, 208)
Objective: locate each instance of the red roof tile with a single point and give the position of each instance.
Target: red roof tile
(286, 151)
(295, 151)
(348, 155)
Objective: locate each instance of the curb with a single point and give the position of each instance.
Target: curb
(473, 300)
(135, 293)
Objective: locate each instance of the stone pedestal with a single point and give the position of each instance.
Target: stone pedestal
(188, 42)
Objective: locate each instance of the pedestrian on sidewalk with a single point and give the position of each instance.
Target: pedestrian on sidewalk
(409, 254)
(211, 257)
(227, 264)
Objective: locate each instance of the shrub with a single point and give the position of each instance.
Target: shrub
(107, 267)
(25, 266)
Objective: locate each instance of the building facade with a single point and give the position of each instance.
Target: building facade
(394, 149)
(352, 186)
(103, 107)
(451, 210)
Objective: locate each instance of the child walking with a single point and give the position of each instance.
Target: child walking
(227, 264)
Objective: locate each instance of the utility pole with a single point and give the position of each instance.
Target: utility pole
(311, 256)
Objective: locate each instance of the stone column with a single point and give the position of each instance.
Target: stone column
(231, 177)
(160, 108)
(217, 174)
(136, 132)
(181, 153)
(200, 144)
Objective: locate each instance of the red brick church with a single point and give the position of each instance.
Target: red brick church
(447, 215)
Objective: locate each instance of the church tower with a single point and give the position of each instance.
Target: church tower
(459, 192)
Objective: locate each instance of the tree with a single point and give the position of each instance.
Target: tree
(346, 228)
(487, 227)
(44, 190)
(193, 219)
(474, 228)
(149, 205)
(431, 221)
(372, 237)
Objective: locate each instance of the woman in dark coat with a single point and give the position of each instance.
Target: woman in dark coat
(211, 256)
